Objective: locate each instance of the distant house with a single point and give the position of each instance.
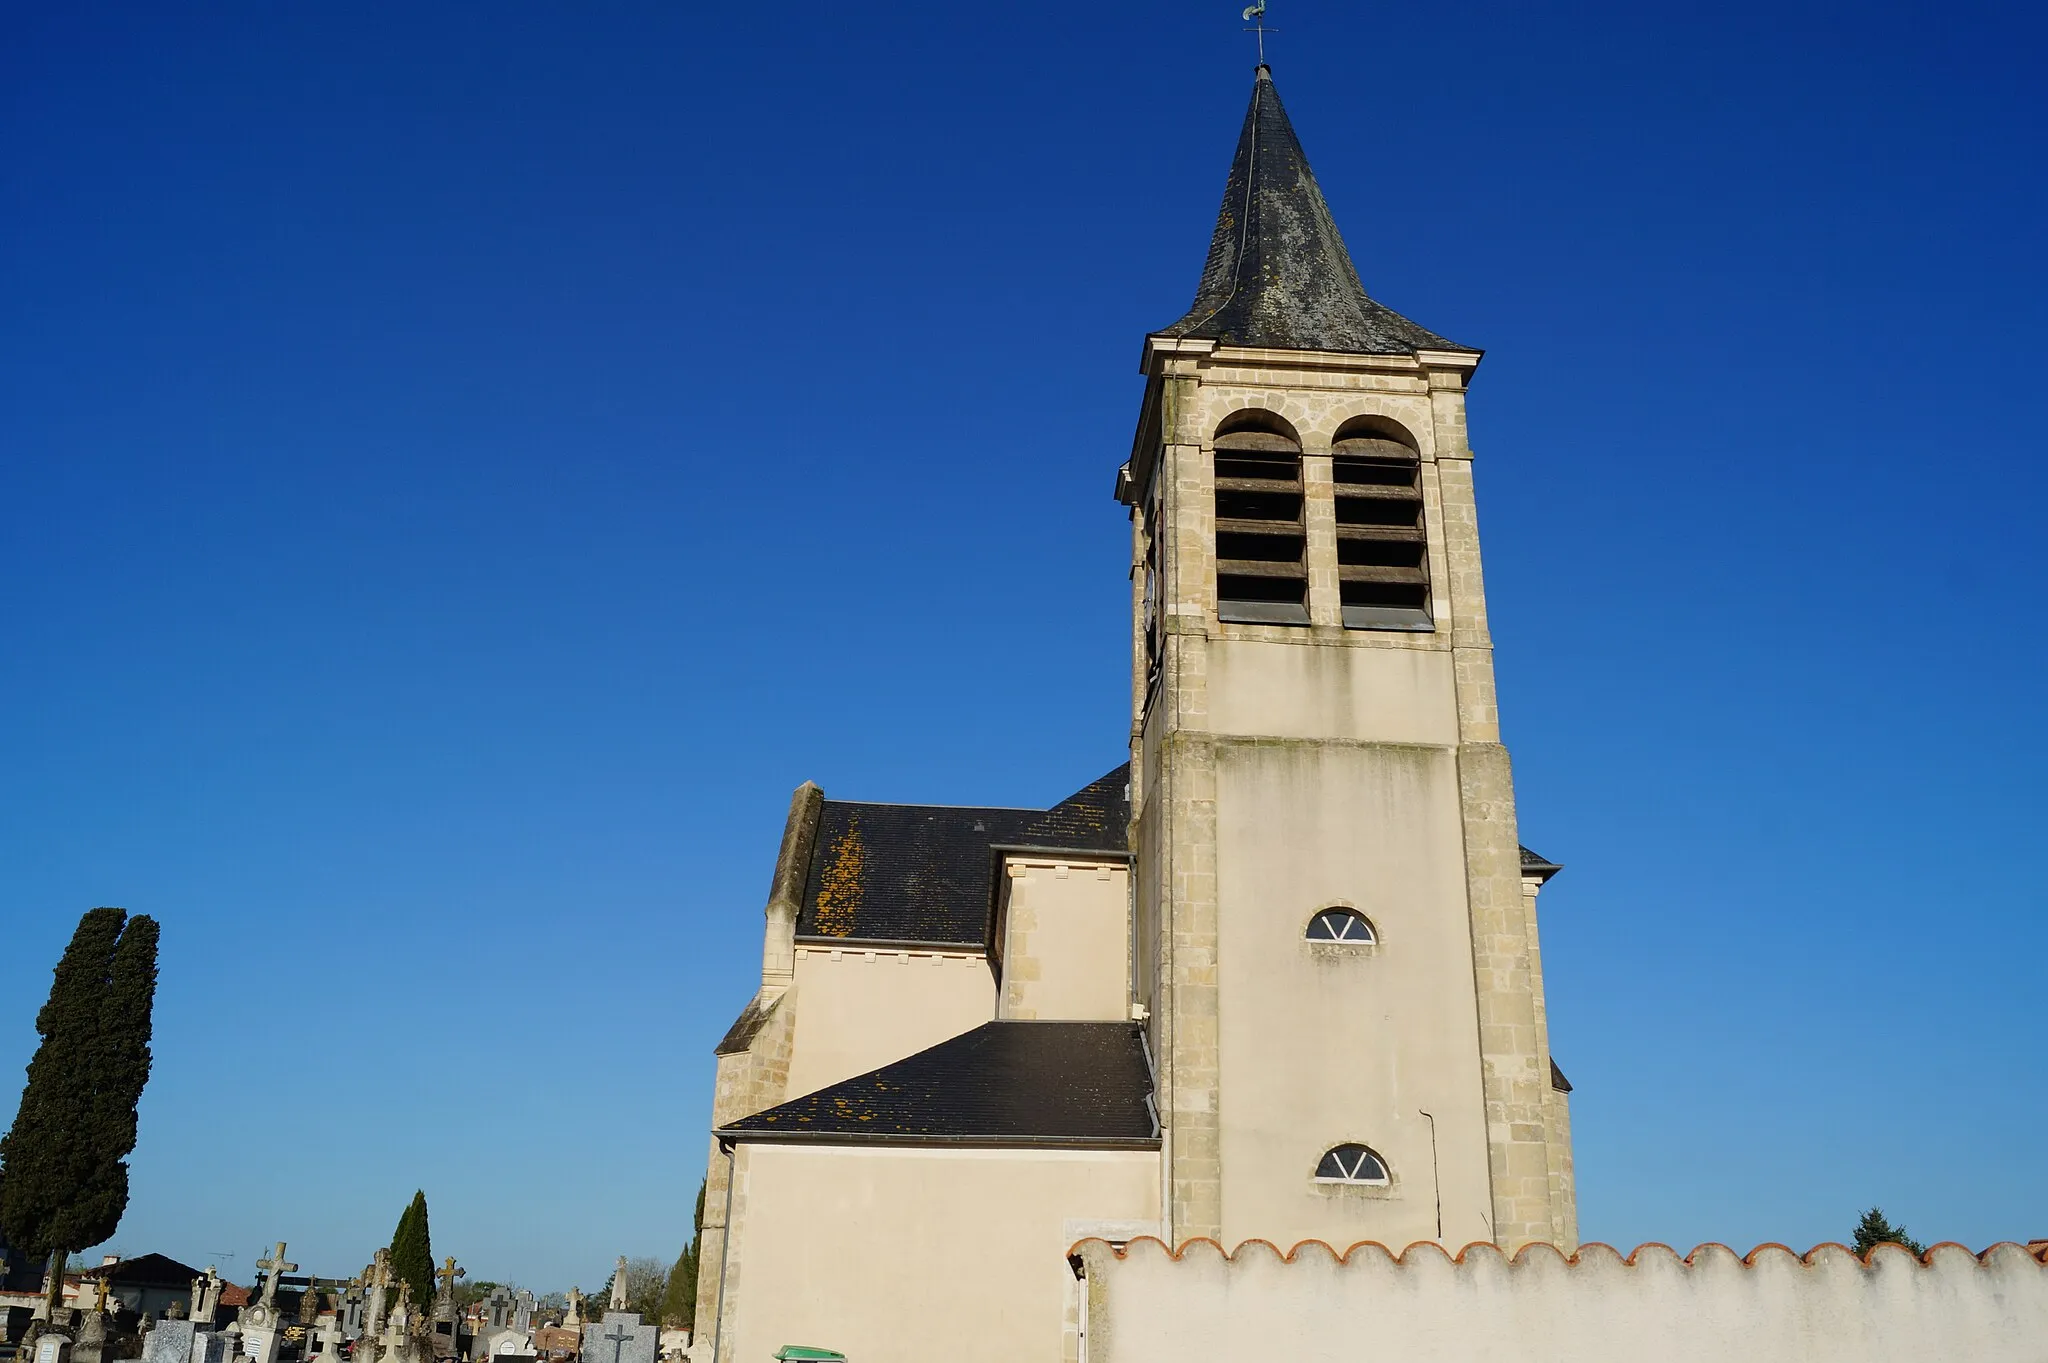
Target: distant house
(149, 1282)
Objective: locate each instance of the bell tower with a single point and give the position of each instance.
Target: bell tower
(1336, 936)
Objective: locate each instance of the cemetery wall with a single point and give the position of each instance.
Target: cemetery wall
(862, 1248)
(1145, 1304)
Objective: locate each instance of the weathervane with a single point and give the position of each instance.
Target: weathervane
(1255, 15)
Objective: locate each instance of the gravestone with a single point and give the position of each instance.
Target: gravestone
(350, 1312)
(170, 1342)
(259, 1320)
(621, 1338)
(205, 1305)
(396, 1344)
(448, 1334)
(380, 1287)
(325, 1346)
(52, 1347)
(498, 1309)
(209, 1346)
(91, 1344)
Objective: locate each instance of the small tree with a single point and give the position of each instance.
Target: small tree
(63, 1164)
(1874, 1230)
(412, 1251)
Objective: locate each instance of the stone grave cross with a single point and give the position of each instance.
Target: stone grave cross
(275, 1268)
(448, 1273)
(619, 1338)
(380, 1285)
(209, 1302)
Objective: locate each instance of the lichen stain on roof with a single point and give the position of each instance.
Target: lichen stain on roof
(839, 888)
(925, 873)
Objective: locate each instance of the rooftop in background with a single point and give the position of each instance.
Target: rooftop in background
(145, 1270)
(1278, 275)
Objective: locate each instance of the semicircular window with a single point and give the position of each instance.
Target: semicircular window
(1352, 1164)
(1340, 925)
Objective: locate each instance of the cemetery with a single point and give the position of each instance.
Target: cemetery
(294, 1317)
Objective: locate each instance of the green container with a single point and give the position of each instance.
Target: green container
(803, 1351)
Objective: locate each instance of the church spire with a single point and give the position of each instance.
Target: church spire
(1278, 276)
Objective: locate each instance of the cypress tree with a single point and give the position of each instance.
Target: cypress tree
(412, 1251)
(123, 1064)
(63, 1164)
(679, 1302)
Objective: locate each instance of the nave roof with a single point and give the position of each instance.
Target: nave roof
(926, 873)
(1004, 1083)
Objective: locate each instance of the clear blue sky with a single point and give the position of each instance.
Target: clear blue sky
(464, 464)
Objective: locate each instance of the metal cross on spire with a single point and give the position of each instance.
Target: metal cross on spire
(1255, 15)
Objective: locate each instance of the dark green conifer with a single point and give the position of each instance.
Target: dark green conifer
(1874, 1230)
(412, 1251)
(123, 1069)
(679, 1302)
(63, 1164)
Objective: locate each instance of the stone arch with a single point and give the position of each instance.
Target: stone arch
(1258, 421)
(1374, 427)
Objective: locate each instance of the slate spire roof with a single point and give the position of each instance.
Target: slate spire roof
(1278, 276)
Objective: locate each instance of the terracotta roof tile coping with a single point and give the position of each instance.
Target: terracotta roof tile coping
(2037, 1250)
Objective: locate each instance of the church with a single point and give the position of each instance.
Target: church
(1275, 977)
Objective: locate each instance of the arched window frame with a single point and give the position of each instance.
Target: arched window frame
(1261, 520)
(1382, 531)
(1341, 926)
(1353, 1164)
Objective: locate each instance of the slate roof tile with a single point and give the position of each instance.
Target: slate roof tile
(1536, 864)
(1004, 1083)
(925, 873)
(1278, 274)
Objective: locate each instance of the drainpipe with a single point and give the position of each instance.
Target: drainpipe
(724, 1254)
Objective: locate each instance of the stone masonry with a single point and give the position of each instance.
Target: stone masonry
(1197, 385)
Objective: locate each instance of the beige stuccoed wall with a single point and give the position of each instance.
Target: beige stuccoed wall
(1066, 939)
(1325, 1043)
(863, 1009)
(919, 1254)
(1293, 690)
(1713, 1308)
